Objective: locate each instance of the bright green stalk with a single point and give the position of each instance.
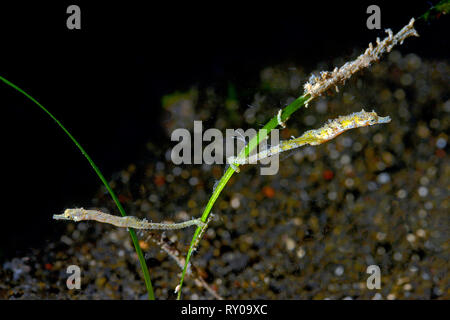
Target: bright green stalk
(148, 282)
(262, 134)
(442, 7)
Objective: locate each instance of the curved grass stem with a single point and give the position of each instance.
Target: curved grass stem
(316, 86)
(262, 134)
(144, 267)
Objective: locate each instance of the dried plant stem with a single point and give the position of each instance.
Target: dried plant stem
(317, 85)
(165, 244)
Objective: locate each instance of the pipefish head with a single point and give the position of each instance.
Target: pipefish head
(386, 119)
(71, 214)
(376, 119)
(364, 118)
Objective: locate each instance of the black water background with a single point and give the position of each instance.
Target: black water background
(105, 83)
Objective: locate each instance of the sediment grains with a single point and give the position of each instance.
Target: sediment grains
(378, 195)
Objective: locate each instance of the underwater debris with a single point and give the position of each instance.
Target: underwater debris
(317, 85)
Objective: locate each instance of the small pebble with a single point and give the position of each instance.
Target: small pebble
(441, 143)
(339, 271)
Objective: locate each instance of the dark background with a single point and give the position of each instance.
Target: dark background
(105, 82)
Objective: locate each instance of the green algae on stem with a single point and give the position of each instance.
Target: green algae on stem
(142, 262)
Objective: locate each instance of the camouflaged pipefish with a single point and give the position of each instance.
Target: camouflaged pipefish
(317, 136)
(81, 214)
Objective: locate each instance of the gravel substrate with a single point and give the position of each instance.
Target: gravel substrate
(373, 196)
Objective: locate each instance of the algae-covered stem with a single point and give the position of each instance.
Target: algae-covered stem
(318, 85)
